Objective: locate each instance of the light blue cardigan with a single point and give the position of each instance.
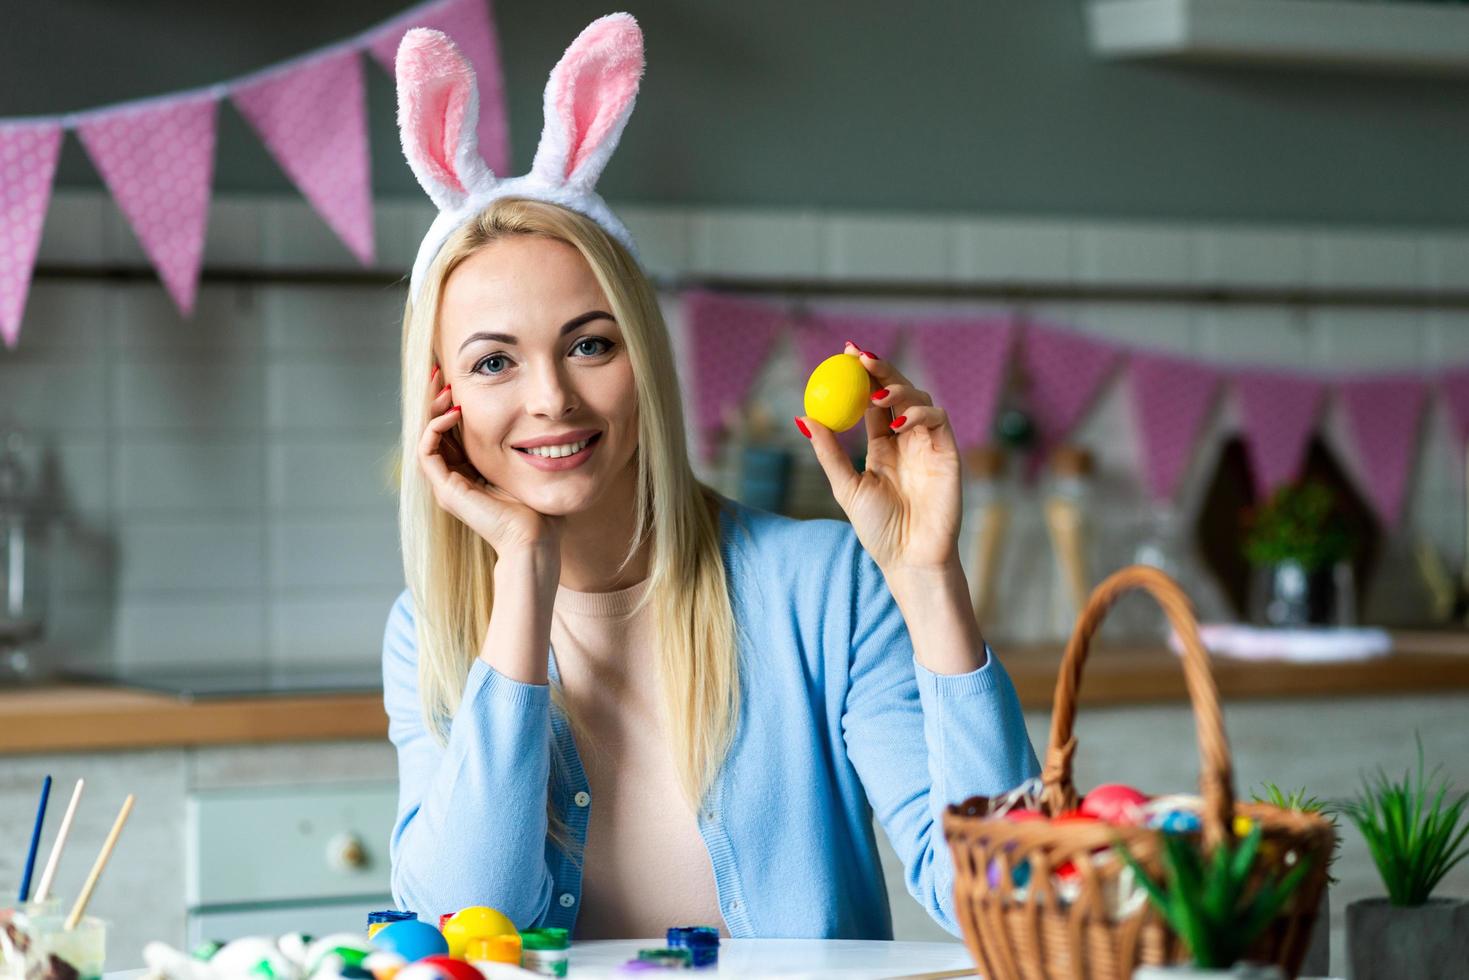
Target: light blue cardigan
(835, 715)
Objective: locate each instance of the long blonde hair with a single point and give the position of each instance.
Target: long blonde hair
(449, 568)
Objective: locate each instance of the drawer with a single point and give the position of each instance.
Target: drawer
(288, 844)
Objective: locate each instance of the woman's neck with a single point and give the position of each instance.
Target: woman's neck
(594, 542)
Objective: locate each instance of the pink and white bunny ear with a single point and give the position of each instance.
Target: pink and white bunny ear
(438, 112)
(588, 99)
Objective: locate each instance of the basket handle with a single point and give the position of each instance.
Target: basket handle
(1216, 774)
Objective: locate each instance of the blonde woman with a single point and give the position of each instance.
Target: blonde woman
(620, 701)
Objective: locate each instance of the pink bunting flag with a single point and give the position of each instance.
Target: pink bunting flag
(1454, 386)
(470, 23)
(1278, 410)
(28, 154)
(313, 119)
(1383, 413)
(1171, 398)
(1063, 373)
(729, 341)
(964, 363)
(157, 159)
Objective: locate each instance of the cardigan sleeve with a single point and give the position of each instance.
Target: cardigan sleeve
(920, 741)
(471, 824)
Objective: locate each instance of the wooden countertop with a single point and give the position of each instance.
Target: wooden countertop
(70, 718)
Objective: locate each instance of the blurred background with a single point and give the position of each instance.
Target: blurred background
(1195, 290)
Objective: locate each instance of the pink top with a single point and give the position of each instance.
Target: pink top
(646, 865)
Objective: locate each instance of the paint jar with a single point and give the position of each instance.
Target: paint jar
(84, 947)
(494, 949)
(378, 921)
(545, 951)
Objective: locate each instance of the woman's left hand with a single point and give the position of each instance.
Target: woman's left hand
(905, 504)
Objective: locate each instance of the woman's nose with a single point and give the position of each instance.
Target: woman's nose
(550, 395)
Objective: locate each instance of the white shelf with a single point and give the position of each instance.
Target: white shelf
(1357, 34)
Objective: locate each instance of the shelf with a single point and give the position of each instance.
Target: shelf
(1363, 35)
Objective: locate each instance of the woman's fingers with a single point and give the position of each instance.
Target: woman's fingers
(900, 397)
(930, 418)
(885, 374)
(833, 459)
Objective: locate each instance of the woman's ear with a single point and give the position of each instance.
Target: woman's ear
(438, 111)
(588, 99)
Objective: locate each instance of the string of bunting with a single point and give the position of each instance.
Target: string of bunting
(967, 362)
(156, 155)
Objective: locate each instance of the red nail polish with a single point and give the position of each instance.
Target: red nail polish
(802, 426)
(898, 422)
(868, 353)
(447, 388)
(434, 373)
(879, 393)
(853, 343)
(455, 408)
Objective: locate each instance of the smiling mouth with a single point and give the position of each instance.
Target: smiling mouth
(560, 452)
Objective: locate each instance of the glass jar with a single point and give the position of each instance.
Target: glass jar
(23, 560)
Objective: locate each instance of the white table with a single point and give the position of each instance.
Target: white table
(859, 959)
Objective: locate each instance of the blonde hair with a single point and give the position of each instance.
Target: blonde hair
(449, 568)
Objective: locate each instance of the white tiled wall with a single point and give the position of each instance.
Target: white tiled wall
(223, 483)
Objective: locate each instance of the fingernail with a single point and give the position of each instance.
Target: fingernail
(447, 388)
(868, 353)
(802, 426)
(853, 343)
(898, 422)
(455, 408)
(434, 373)
(879, 393)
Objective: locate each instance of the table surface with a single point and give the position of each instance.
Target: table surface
(859, 959)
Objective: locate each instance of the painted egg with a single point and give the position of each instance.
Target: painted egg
(251, 956)
(838, 392)
(475, 922)
(1114, 803)
(1019, 875)
(1025, 816)
(411, 939)
(1176, 822)
(1243, 825)
(441, 968)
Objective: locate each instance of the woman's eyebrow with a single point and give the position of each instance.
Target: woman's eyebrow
(566, 328)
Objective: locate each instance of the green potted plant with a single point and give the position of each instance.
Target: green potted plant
(1207, 899)
(1415, 830)
(1298, 546)
(1317, 962)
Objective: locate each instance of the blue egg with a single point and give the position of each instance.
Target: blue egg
(411, 939)
(1178, 822)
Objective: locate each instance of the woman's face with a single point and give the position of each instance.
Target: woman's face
(528, 343)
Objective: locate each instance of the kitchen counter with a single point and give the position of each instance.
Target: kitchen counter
(70, 718)
(92, 717)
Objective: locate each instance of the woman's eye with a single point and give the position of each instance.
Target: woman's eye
(496, 363)
(592, 346)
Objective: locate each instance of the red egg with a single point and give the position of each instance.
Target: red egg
(1114, 803)
(1075, 816)
(1024, 816)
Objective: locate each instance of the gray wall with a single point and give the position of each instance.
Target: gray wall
(991, 105)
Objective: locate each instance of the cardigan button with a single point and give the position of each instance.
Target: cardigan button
(567, 900)
(583, 798)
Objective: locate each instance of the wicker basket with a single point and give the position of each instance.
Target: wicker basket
(1036, 933)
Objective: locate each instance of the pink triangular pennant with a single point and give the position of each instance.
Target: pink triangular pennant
(1278, 411)
(729, 341)
(820, 335)
(964, 362)
(28, 154)
(1171, 397)
(1063, 373)
(157, 160)
(1383, 413)
(1454, 386)
(471, 25)
(313, 119)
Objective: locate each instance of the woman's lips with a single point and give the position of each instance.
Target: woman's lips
(549, 465)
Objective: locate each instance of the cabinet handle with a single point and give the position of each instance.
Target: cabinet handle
(345, 852)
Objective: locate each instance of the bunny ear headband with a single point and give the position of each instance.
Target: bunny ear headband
(589, 97)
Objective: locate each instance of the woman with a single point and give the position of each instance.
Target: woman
(620, 701)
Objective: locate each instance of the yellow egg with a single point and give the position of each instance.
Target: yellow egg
(475, 922)
(839, 391)
(1242, 825)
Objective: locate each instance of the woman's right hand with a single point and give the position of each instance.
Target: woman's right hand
(513, 529)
